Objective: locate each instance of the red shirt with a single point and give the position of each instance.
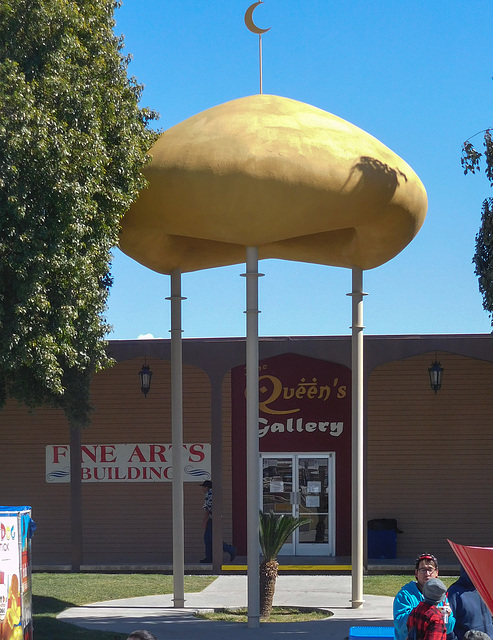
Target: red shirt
(428, 621)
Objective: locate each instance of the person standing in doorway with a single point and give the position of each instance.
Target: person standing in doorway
(207, 524)
(411, 594)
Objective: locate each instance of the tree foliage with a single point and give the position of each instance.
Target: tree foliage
(471, 158)
(274, 530)
(483, 256)
(73, 141)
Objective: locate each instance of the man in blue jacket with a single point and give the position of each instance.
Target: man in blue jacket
(469, 609)
(411, 594)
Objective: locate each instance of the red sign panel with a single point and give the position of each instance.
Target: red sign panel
(304, 407)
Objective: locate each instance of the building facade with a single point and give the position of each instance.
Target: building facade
(427, 456)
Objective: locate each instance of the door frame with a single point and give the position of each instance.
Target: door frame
(295, 547)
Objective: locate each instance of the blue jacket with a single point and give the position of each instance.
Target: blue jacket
(405, 601)
(469, 609)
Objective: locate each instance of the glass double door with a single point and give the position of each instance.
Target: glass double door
(302, 485)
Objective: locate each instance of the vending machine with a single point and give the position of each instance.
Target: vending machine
(16, 530)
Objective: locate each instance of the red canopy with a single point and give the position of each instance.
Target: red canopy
(478, 562)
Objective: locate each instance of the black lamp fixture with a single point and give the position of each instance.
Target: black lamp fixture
(145, 379)
(436, 372)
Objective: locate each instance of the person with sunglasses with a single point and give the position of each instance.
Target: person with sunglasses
(411, 594)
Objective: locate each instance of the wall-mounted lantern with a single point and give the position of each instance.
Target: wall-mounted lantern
(145, 379)
(436, 372)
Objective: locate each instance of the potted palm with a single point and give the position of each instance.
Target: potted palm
(274, 531)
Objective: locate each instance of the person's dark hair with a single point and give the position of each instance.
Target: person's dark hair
(207, 483)
(426, 556)
(141, 634)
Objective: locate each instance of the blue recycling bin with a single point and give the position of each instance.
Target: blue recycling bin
(382, 538)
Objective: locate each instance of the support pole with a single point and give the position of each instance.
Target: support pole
(252, 411)
(177, 441)
(217, 471)
(260, 60)
(357, 438)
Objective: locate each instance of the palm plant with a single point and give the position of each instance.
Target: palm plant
(274, 531)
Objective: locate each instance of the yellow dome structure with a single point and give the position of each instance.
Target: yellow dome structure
(293, 180)
(270, 177)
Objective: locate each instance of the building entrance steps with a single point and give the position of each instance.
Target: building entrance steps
(156, 613)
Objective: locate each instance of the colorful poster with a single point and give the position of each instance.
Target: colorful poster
(15, 605)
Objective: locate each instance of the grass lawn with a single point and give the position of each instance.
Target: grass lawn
(279, 614)
(54, 592)
(390, 585)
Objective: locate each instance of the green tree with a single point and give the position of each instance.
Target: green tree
(73, 141)
(273, 532)
(483, 256)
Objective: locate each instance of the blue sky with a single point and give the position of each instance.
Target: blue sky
(416, 75)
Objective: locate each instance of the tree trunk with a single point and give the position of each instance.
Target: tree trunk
(75, 497)
(268, 575)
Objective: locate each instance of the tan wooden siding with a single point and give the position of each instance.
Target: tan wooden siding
(123, 523)
(141, 513)
(430, 456)
(429, 460)
(22, 466)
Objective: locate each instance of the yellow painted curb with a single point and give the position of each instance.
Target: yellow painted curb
(294, 567)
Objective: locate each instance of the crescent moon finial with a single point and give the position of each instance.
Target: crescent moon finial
(251, 26)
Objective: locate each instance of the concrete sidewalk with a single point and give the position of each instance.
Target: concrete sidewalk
(156, 613)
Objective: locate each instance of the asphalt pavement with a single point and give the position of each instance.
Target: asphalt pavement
(157, 614)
